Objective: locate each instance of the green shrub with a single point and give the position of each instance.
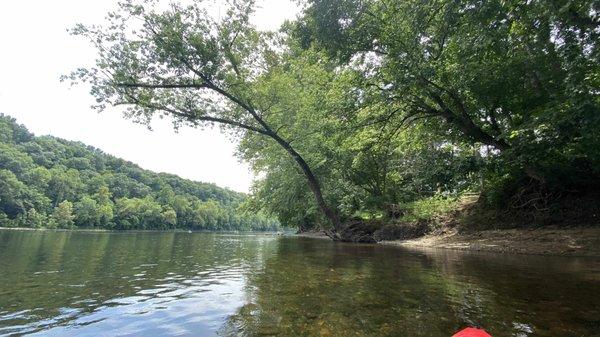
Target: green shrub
(429, 208)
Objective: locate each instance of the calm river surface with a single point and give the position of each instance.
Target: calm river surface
(167, 284)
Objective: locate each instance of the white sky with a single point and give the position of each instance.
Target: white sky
(35, 50)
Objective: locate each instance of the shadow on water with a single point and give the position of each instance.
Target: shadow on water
(156, 284)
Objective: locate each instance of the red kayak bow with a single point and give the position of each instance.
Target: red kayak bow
(471, 332)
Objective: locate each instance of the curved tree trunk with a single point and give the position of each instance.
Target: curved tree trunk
(264, 128)
(313, 183)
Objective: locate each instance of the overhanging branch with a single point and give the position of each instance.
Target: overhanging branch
(162, 86)
(194, 116)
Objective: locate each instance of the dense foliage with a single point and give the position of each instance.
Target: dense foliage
(50, 182)
(405, 101)
(360, 107)
(519, 77)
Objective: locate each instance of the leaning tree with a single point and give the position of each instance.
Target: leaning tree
(181, 62)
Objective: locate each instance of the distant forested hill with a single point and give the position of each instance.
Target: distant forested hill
(51, 182)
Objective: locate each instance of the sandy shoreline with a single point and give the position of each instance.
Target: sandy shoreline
(566, 242)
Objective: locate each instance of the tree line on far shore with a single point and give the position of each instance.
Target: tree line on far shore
(48, 182)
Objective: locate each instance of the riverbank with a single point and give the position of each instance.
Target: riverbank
(568, 242)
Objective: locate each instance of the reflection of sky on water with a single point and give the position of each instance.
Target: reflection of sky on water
(133, 289)
(199, 311)
(176, 306)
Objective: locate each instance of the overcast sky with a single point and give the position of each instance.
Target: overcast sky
(35, 50)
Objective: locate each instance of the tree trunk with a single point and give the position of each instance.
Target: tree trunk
(473, 131)
(313, 183)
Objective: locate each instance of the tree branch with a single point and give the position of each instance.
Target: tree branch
(162, 86)
(194, 116)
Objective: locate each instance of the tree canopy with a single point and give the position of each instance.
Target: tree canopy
(359, 106)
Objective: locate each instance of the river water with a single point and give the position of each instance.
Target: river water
(180, 284)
